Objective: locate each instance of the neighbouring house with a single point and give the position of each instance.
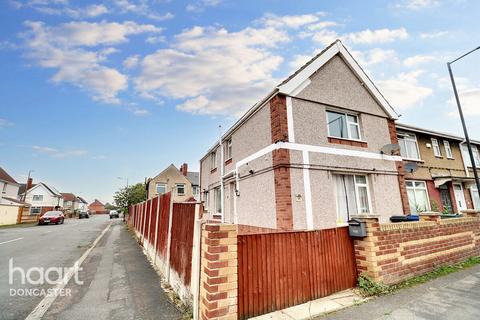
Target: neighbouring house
(438, 176)
(41, 197)
(80, 204)
(308, 155)
(8, 187)
(183, 184)
(69, 200)
(11, 208)
(96, 207)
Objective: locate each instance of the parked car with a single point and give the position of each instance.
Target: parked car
(114, 214)
(55, 217)
(83, 214)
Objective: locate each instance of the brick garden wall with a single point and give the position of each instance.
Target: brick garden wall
(394, 252)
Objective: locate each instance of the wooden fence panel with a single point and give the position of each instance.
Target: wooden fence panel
(163, 224)
(279, 270)
(153, 220)
(183, 222)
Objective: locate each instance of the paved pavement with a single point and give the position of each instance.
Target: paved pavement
(118, 282)
(456, 296)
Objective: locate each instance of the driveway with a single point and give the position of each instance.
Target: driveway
(455, 296)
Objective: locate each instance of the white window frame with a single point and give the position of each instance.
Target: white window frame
(228, 150)
(177, 185)
(37, 197)
(414, 188)
(357, 124)
(436, 148)
(217, 197)
(357, 199)
(410, 137)
(448, 149)
(472, 190)
(466, 155)
(213, 160)
(164, 185)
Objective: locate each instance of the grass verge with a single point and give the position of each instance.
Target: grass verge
(368, 287)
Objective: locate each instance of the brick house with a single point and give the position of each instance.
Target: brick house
(41, 197)
(96, 207)
(308, 155)
(439, 175)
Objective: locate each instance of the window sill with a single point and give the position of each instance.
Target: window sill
(450, 158)
(228, 161)
(413, 160)
(348, 142)
(439, 157)
(213, 170)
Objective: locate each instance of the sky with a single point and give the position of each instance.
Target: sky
(95, 92)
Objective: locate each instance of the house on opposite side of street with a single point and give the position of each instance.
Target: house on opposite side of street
(8, 187)
(97, 207)
(183, 184)
(42, 198)
(11, 208)
(69, 200)
(309, 155)
(438, 176)
(80, 204)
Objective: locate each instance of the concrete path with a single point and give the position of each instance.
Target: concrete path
(455, 296)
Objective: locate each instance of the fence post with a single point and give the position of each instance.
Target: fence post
(144, 215)
(196, 260)
(149, 223)
(169, 237)
(156, 231)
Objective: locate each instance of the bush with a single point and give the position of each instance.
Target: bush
(368, 287)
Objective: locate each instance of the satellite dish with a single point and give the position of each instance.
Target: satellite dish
(391, 149)
(411, 167)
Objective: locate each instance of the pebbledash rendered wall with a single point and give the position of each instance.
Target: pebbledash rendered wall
(397, 251)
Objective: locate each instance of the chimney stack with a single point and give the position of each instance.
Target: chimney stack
(29, 184)
(184, 169)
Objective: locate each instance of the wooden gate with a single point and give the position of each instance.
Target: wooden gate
(279, 270)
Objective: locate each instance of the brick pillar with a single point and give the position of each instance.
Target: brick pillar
(219, 277)
(281, 163)
(366, 249)
(430, 216)
(400, 168)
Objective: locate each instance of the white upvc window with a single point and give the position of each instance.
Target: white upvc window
(4, 188)
(228, 150)
(161, 188)
(417, 196)
(448, 149)
(475, 197)
(466, 155)
(196, 191)
(343, 125)
(353, 196)
(35, 210)
(37, 197)
(180, 189)
(436, 148)
(213, 160)
(408, 146)
(218, 200)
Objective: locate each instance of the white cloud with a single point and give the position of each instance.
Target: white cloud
(63, 48)
(200, 5)
(468, 92)
(131, 62)
(289, 21)
(56, 153)
(63, 8)
(5, 123)
(376, 36)
(212, 70)
(420, 59)
(142, 8)
(95, 10)
(375, 56)
(433, 35)
(419, 4)
(404, 90)
(325, 37)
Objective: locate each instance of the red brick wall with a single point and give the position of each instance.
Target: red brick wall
(394, 252)
(348, 142)
(468, 197)
(281, 163)
(434, 195)
(400, 168)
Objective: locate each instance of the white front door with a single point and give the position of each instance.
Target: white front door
(459, 197)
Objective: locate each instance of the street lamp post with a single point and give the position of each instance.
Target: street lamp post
(460, 111)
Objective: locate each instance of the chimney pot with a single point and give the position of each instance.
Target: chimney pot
(29, 183)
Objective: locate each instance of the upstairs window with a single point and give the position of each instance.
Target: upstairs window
(466, 155)
(408, 146)
(228, 150)
(37, 197)
(161, 188)
(342, 125)
(213, 160)
(448, 150)
(436, 148)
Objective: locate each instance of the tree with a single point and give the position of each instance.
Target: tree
(131, 195)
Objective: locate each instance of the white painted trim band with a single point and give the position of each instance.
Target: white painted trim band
(307, 190)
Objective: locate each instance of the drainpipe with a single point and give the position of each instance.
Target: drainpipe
(222, 169)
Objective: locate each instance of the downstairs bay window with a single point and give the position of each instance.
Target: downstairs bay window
(353, 196)
(417, 196)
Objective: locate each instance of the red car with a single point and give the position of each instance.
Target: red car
(56, 217)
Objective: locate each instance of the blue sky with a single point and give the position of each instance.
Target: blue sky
(93, 90)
